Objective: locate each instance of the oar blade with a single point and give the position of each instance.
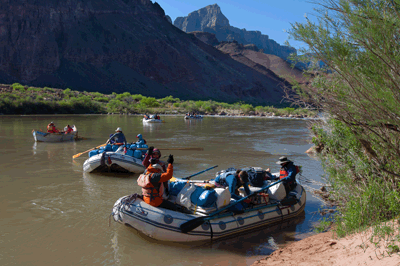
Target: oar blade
(191, 224)
(76, 155)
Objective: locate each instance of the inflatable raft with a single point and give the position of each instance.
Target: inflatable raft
(152, 119)
(193, 117)
(114, 158)
(40, 136)
(220, 219)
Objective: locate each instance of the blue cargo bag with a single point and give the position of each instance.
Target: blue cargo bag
(108, 147)
(203, 197)
(175, 187)
(94, 152)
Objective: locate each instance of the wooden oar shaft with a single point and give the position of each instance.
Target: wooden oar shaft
(79, 154)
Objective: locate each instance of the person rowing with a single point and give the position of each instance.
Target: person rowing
(117, 138)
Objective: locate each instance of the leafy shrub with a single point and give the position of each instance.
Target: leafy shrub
(101, 99)
(18, 87)
(149, 102)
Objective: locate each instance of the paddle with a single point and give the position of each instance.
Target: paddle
(79, 154)
(196, 222)
(188, 177)
(189, 148)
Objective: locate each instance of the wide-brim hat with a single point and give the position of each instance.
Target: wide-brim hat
(282, 160)
(118, 129)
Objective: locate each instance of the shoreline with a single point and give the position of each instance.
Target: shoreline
(218, 116)
(325, 249)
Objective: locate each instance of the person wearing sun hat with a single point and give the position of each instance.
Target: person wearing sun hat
(288, 173)
(118, 138)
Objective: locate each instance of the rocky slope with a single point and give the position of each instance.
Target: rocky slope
(253, 57)
(120, 45)
(210, 19)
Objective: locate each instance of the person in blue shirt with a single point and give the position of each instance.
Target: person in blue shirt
(288, 173)
(234, 180)
(117, 138)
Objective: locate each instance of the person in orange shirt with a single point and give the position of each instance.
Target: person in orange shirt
(152, 184)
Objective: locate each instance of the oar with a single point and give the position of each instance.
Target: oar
(79, 154)
(188, 177)
(170, 149)
(196, 222)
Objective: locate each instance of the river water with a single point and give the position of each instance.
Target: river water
(54, 214)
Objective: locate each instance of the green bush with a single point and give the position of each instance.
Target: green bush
(247, 108)
(101, 99)
(18, 87)
(149, 102)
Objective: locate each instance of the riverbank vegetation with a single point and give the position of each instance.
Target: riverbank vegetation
(358, 89)
(19, 99)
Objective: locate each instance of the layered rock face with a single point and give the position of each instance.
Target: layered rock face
(117, 46)
(253, 57)
(210, 19)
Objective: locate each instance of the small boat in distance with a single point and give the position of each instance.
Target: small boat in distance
(152, 119)
(41, 136)
(187, 116)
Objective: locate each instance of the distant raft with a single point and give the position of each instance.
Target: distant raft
(265, 209)
(193, 117)
(151, 120)
(115, 158)
(41, 136)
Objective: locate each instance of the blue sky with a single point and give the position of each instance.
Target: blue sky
(270, 17)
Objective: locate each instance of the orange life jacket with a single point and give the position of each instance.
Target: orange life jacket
(283, 173)
(148, 189)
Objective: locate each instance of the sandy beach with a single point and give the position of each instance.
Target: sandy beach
(326, 249)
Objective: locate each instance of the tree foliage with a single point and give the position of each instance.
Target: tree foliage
(358, 88)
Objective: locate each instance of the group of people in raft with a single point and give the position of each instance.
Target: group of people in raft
(156, 116)
(157, 174)
(51, 128)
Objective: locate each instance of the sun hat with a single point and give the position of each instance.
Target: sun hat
(118, 129)
(282, 160)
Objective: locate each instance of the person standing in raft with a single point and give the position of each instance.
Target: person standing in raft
(287, 172)
(117, 138)
(152, 183)
(51, 128)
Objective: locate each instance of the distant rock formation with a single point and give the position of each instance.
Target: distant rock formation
(207, 17)
(122, 46)
(206, 37)
(210, 19)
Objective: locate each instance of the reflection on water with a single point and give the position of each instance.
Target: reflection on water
(53, 213)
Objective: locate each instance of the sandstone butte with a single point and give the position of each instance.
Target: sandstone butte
(325, 249)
